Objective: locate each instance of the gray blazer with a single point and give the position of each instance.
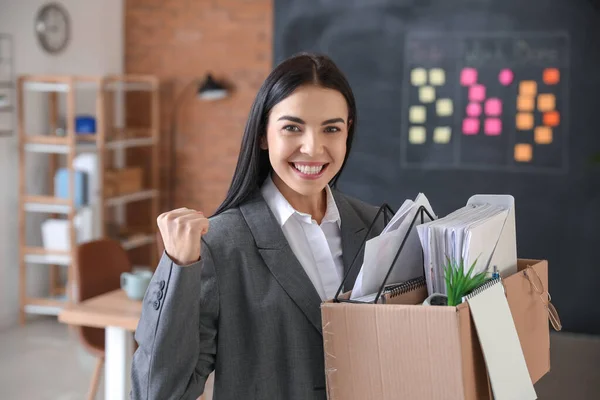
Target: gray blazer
(247, 310)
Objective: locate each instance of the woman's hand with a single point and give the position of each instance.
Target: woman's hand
(181, 231)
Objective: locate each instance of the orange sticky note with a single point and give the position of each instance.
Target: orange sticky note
(551, 76)
(542, 135)
(523, 152)
(546, 102)
(551, 118)
(528, 88)
(524, 121)
(525, 103)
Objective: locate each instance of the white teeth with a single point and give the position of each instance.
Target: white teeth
(305, 169)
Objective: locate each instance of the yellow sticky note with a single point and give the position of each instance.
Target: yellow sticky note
(525, 103)
(528, 88)
(546, 102)
(417, 114)
(444, 107)
(416, 134)
(542, 135)
(426, 94)
(418, 76)
(523, 152)
(437, 77)
(524, 121)
(441, 134)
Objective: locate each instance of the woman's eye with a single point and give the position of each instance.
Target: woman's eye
(291, 128)
(332, 129)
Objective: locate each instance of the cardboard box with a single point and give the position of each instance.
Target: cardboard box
(400, 351)
(123, 181)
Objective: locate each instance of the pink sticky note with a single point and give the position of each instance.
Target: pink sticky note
(468, 76)
(492, 126)
(474, 110)
(506, 76)
(493, 107)
(477, 93)
(470, 126)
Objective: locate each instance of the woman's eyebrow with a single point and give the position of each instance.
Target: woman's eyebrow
(293, 119)
(333, 121)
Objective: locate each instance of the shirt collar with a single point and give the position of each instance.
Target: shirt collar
(283, 210)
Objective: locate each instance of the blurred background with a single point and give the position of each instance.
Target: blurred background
(114, 111)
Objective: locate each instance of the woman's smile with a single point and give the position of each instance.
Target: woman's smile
(309, 170)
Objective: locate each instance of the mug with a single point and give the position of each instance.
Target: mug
(136, 283)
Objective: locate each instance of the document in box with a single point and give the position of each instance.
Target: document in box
(381, 250)
(504, 359)
(482, 232)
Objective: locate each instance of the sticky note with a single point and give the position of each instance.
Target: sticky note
(523, 152)
(426, 94)
(551, 76)
(493, 107)
(468, 76)
(441, 134)
(418, 76)
(474, 110)
(546, 102)
(551, 118)
(416, 134)
(477, 93)
(492, 126)
(417, 114)
(437, 77)
(470, 126)
(506, 77)
(524, 121)
(444, 107)
(528, 88)
(542, 135)
(525, 103)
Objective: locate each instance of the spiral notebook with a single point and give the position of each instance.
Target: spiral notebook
(504, 359)
(413, 291)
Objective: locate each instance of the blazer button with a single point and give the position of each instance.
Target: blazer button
(159, 295)
(156, 304)
(161, 284)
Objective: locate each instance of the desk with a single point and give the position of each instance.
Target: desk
(119, 315)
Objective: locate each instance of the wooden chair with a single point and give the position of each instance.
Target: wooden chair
(99, 267)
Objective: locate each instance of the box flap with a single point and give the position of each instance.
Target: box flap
(393, 358)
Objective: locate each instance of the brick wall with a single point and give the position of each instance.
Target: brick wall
(179, 41)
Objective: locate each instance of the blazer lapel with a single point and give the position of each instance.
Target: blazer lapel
(353, 230)
(280, 258)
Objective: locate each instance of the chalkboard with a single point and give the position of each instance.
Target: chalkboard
(458, 97)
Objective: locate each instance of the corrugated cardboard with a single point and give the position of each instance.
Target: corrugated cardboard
(399, 351)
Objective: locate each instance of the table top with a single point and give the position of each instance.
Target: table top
(110, 309)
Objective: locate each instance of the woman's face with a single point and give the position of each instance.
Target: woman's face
(306, 138)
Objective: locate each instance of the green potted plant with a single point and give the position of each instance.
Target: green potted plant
(459, 284)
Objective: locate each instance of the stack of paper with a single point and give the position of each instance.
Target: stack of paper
(381, 250)
(482, 232)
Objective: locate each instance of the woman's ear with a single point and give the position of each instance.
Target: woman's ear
(264, 145)
(349, 123)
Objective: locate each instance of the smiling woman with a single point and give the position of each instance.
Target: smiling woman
(240, 292)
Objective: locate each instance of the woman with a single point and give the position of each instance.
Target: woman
(242, 298)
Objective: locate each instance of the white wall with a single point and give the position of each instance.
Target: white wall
(96, 47)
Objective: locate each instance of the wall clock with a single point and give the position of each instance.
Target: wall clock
(53, 27)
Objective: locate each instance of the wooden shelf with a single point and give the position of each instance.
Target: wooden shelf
(46, 204)
(137, 241)
(105, 140)
(46, 306)
(132, 197)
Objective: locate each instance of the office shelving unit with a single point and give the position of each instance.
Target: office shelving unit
(109, 142)
(6, 85)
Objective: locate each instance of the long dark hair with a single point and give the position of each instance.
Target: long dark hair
(253, 165)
